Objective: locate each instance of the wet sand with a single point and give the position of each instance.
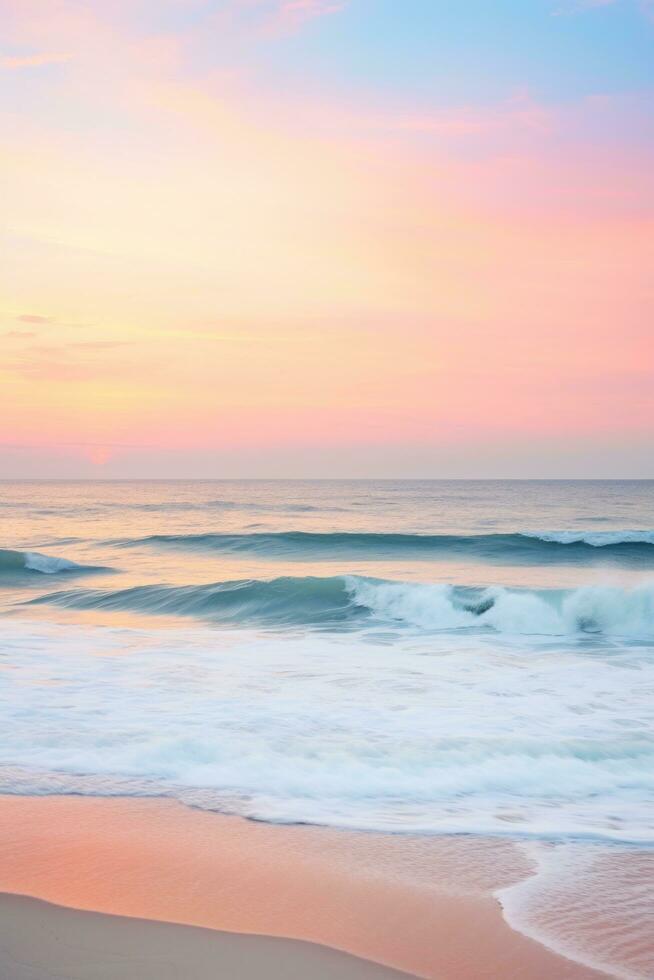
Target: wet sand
(423, 906)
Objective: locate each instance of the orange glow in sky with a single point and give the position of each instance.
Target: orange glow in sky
(211, 270)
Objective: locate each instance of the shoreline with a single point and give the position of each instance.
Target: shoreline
(422, 906)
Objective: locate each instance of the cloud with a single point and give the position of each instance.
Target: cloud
(92, 345)
(307, 9)
(20, 334)
(288, 15)
(518, 114)
(16, 62)
(34, 318)
(79, 361)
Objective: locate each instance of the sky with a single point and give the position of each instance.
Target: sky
(327, 238)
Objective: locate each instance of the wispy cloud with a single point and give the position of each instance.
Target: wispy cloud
(300, 10)
(34, 318)
(519, 113)
(39, 60)
(289, 15)
(93, 345)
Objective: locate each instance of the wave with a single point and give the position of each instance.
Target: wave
(190, 505)
(281, 602)
(634, 548)
(596, 539)
(181, 505)
(347, 730)
(26, 562)
(347, 602)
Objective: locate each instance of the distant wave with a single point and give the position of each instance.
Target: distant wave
(170, 506)
(204, 505)
(25, 562)
(345, 602)
(569, 547)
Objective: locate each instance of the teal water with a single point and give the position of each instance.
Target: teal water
(420, 657)
(435, 656)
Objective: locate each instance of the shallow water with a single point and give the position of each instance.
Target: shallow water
(433, 657)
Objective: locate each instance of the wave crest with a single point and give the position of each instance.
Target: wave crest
(23, 562)
(346, 602)
(529, 548)
(596, 539)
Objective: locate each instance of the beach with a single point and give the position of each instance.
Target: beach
(327, 490)
(390, 726)
(329, 903)
(39, 941)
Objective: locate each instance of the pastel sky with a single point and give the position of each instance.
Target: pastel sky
(324, 238)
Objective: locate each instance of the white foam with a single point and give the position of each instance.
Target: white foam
(427, 606)
(609, 610)
(523, 612)
(589, 902)
(597, 539)
(440, 734)
(47, 564)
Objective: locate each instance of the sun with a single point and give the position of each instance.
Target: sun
(99, 456)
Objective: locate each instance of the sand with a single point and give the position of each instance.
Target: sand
(421, 906)
(39, 941)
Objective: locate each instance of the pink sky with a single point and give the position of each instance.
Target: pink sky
(209, 275)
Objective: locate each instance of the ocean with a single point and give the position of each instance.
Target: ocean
(422, 657)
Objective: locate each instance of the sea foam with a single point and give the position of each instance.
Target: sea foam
(440, 733)
(596, 539)
(355, 602)
(589, 902)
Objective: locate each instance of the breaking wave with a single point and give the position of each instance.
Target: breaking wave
(343, 602)
(25, 562)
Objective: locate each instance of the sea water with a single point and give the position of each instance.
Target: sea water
(427, 657)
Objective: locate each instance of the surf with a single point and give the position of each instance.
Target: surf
(350, 602)
(440, 734)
